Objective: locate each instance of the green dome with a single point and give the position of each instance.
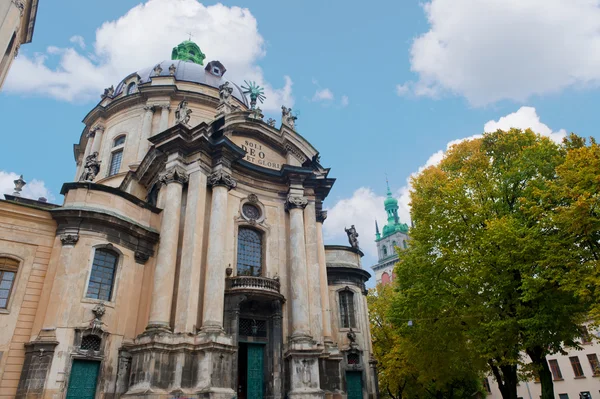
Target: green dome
(390, 201)
(188, 51)
(393, 221)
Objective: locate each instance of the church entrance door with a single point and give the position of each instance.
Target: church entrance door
(251, 371)
(83, 379)
(354, 384)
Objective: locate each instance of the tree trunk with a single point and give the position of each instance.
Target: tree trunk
(506, 376)
(538, 359)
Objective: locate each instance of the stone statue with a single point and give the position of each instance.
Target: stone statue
(352, 237)
(157, 70)
(225, 92)
(182, 114)
(287, 118)
(90, 168)
(172, 70)
(96, 323)
(257, 113)
(271, 122)
(108, 92)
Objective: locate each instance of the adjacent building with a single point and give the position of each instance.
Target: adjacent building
(187, 259)
(17, 20)
(395, 235)
(576, 374)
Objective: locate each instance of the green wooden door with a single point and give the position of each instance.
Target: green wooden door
(255, 372)
(82, 382)
(354, 384)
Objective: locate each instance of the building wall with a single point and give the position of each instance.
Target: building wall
(16, 28)
(387, 262)
(569, 384)
(27, 235)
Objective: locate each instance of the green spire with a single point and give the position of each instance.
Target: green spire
(377, 234)
(393, 221)
(188, 51)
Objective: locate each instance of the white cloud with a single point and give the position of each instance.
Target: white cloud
(524, 118)
(506, 49)
(34, 189)
(78, 40)
(323, 95)
(344, 101)
(143, 37)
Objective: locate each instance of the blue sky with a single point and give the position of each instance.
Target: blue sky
(381, 87)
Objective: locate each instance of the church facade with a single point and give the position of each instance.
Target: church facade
(395, 235)
(187, 259)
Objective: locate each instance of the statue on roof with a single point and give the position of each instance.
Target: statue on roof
(255, 92)
(352, 237)
(225, 92)
(182, 113)
(90, 168)
(287, 118)
(188, 51)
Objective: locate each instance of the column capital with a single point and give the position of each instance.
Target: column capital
(98, 128)
(295, 201)
(69, 239)
(321, 216)
(150, 108)
(173, 175)
(221, 178)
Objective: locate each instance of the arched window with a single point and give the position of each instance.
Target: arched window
(103, 274)
(131, 88)
(249, 254)
(347, 315)
(393, 244)
(384, 249)
(119, 141)
(116, 157)
(8, 272)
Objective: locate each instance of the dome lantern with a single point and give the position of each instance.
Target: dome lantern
(188, 51)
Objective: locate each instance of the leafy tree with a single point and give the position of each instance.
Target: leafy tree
(488, 258)
(446, 371)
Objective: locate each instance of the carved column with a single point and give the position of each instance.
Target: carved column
(164, 272)
(327, 334)
(190, 276)
(214, 287)
(144, 144)
(314, 278)
(164, 118)
(298, 276)
(98, 132)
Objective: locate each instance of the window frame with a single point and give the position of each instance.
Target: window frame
(262, 236)
(575, 362)
(10, 269)
(115, 149)
(554, 366)
(115, 282)
(594, 364)
(130, 85)
(352, 319)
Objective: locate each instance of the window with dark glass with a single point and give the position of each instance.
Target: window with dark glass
(115, 162)
(92, 342)
(577, 369)
(103, 275)
(119, 141)
(594, 364)
(563, 396)
(249, 253)
(384, 251)
(250, 211)
(347, 309)
(8, 271)
(556, 373)
(131, 88)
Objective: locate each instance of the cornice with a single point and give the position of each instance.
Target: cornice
(111, 190)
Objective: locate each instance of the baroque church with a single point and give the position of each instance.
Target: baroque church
(187, 259)
(395, 235)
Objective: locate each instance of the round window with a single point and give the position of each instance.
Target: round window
(250, 211)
